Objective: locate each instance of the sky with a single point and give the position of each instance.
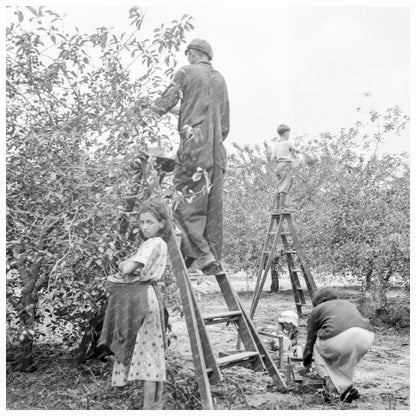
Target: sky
(306, 66)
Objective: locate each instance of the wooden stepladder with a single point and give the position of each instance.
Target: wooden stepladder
(207, 366)
(281, 229)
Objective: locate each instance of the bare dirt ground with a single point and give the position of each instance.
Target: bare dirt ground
(382, 377)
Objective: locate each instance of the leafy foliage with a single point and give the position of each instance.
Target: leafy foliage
(352, 204)
(76, 120)
(248, 203)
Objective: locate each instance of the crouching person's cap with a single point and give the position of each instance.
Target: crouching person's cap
(202, 46)
(289, 317)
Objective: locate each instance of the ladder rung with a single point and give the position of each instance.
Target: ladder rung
(303, 304)
(285, 233)
(196, 278)
(216, 318)
(267, 334)
(290, 251)
(296, 271)
(235, 359)
(295, 359)
(267, 253)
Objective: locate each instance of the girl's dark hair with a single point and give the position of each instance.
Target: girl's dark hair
(159, 211)
(323, 294)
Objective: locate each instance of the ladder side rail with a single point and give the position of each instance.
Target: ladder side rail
(257, 295)
(310, 282)
(292, 270)
(207, 349)
(191, 322)
(262, 258)
(296, 287)
(268, 362)
(292, 279)
(233, 303)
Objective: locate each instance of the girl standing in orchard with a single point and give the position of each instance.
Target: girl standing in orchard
(134, 325)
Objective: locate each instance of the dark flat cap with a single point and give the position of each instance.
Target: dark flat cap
(202, 46)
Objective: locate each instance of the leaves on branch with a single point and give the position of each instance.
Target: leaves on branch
(74, 133)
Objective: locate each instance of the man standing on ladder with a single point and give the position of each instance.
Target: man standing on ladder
(203, 124)
(282, 154)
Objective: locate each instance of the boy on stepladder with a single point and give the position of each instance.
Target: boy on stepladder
(282, 153)
(134, 324)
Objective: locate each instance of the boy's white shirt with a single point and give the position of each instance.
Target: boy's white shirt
(283, 150)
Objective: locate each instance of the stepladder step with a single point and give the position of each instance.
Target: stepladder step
(237, 359)
(270, 335)
(284, 211)
(216, 318)
(277, 251)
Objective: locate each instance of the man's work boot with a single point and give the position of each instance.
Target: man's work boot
(213, 268)
(202, 262)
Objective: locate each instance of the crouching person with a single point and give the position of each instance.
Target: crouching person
(338, 337)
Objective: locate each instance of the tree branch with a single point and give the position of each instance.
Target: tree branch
(49, 277)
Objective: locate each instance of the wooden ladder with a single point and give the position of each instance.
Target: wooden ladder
(281, 228)
(207, 366)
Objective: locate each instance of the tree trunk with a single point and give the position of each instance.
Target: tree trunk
(25, 358)
(368, 276)
(88, 347)
(274, 272)
(27, 313)
(26, 306)
(27, 322)
(384, 287)
(274, 287)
